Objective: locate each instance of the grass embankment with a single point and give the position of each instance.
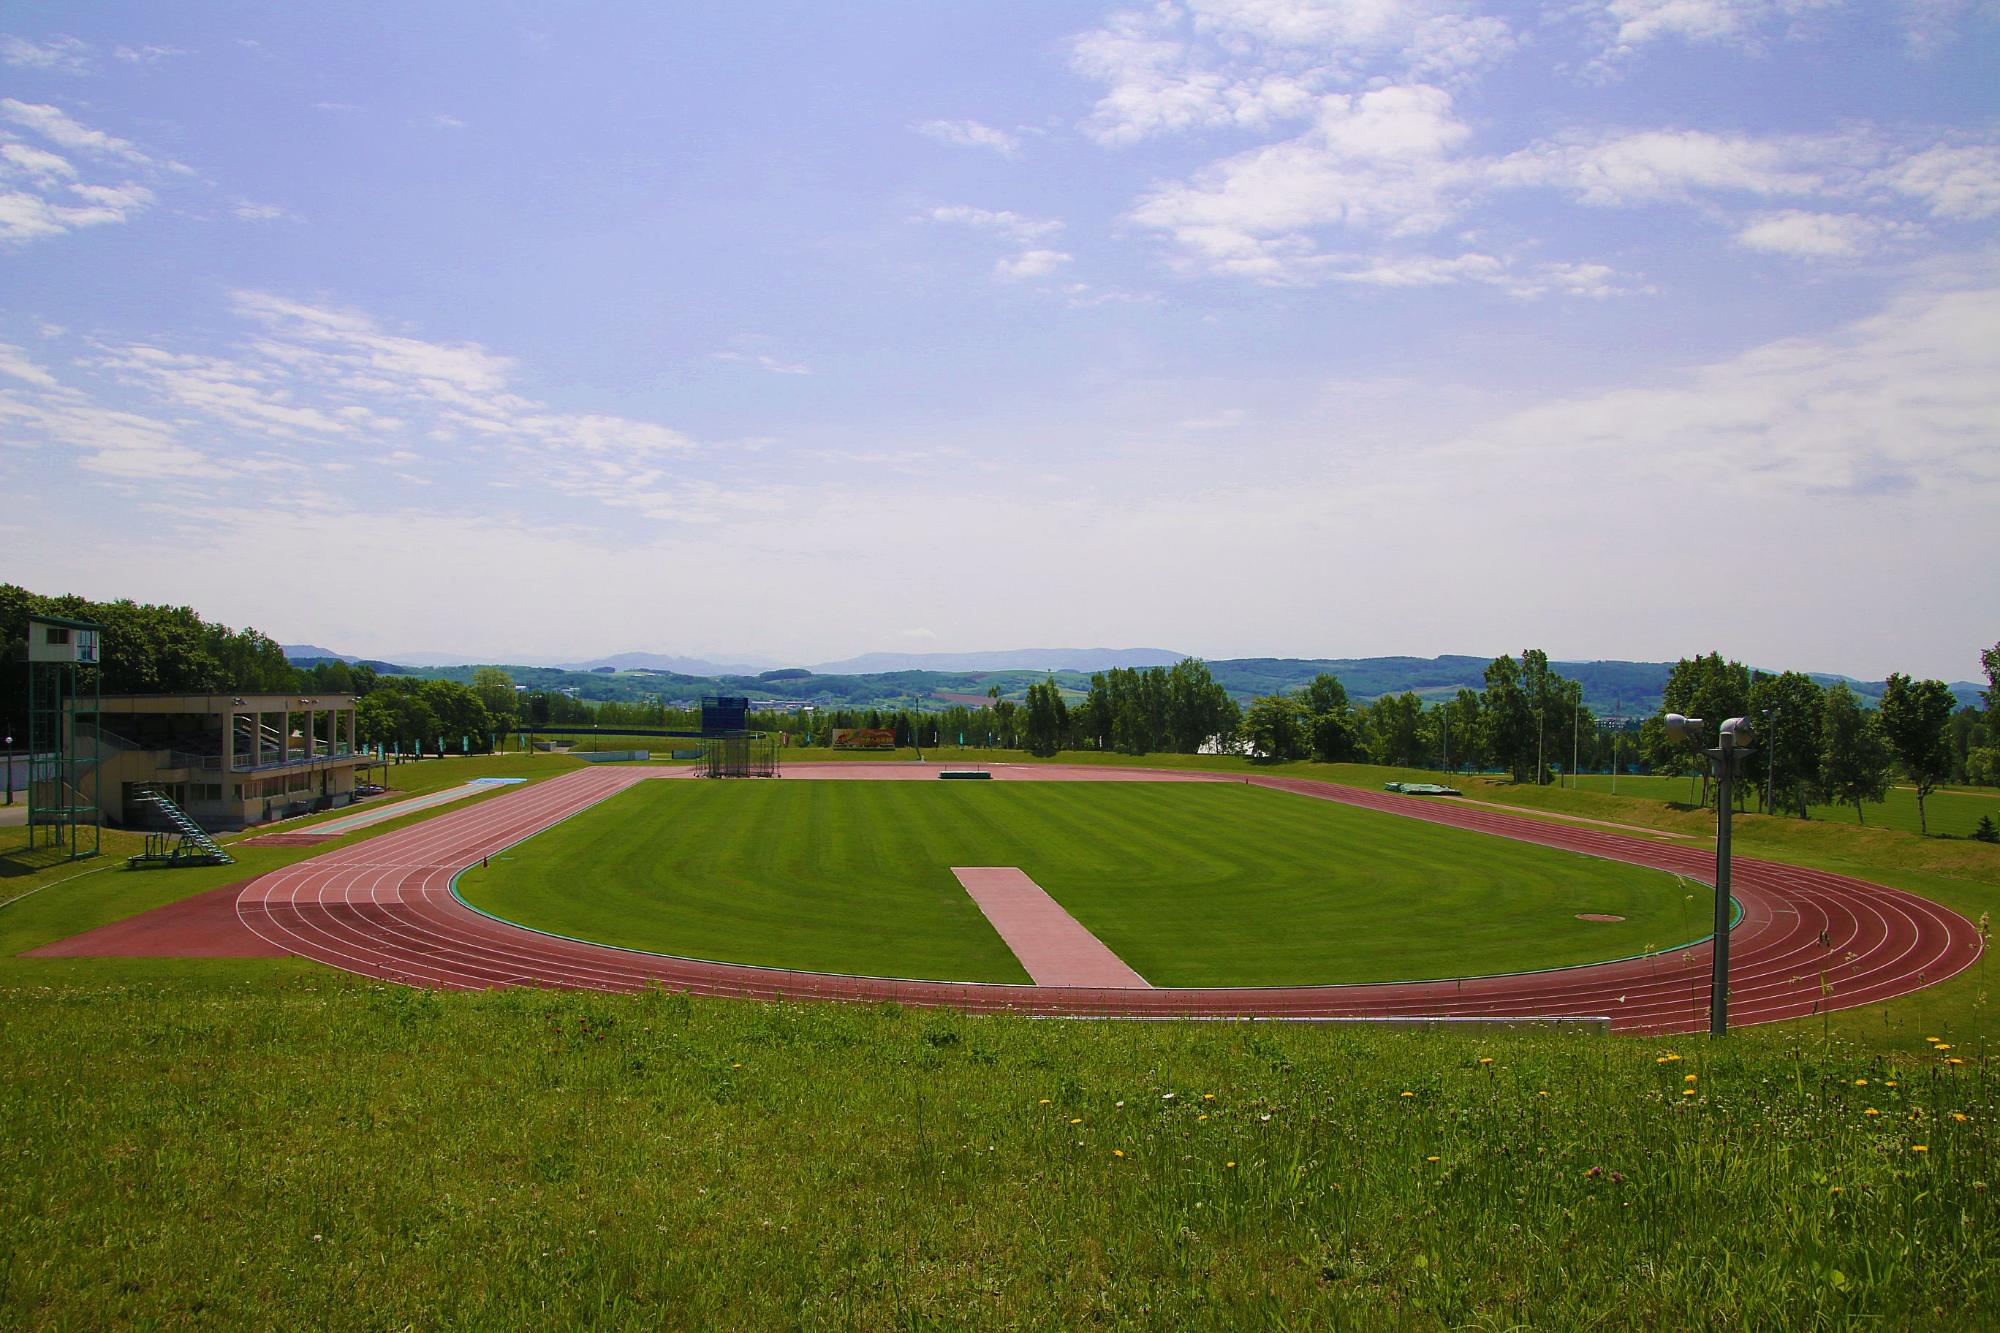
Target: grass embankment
(1192, 884)
(327, 1153)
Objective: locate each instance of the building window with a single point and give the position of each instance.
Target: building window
(57, 635)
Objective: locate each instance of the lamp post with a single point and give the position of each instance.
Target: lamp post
(1733, 743)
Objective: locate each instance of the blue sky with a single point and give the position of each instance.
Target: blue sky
(1624, 328)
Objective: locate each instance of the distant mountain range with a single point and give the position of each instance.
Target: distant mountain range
(1610, 688)
(1007, 659)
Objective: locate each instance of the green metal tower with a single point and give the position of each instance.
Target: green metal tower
(61, 815)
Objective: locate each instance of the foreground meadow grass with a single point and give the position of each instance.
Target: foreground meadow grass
(1192, 884)
(303, 1148)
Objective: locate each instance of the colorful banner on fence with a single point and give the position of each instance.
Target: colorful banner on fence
(864, 738)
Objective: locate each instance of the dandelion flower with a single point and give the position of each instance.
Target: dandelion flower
(1691, 1078)
(1077, 1121)
(1860, 1082)
(1920, 1147)
(1660, 1060)
(1201, 1117)
(1834, 1190)
(1117, 1152)
(1687, 1092)
(1953, 1060)
(1933, 1039)
(1890, 1084)
(1229, 1166)
(1871, 1111)
(1406, 1093)
(1542, 1093)
(1208, 1096)
(1043, 1102)
(1944, 1046)
(1485, 1059)
(1959, 1116)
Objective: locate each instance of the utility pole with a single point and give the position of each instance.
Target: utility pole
(1575, 736)
(1733, 744)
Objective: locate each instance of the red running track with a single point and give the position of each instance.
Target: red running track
(384, 908)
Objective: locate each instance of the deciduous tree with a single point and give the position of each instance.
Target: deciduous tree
(1915, 715)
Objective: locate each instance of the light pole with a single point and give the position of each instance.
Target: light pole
(1732, 744)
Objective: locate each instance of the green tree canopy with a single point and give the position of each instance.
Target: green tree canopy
(1916, 717)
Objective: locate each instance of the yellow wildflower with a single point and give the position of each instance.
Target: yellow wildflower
(1406, 1093)
(1077, 1121)
(1860, 1082)
(1959, 1116)
(1117, 1152)
(1920, 1147)
(1871, 1111)
(1229, 1166)
(1834, 1190)
(1944, 1046)
(1430, 1159)
(1690, 1078)
(1043, 1102)
(1687, 1092)
(1485, 1059)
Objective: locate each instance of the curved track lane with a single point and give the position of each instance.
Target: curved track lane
(1806, 939)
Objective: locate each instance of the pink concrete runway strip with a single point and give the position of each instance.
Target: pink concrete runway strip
(1051, 944)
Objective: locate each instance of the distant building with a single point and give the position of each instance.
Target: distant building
(227, 759)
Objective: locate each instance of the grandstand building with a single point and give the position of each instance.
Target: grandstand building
(227, 759)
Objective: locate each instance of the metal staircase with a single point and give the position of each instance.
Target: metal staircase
(183, 843)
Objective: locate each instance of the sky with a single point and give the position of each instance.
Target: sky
(1617, 328)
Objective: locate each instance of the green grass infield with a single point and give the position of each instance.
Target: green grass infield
(1191, 884)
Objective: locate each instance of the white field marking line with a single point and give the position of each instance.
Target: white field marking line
(1673, 989)
(289, 879)
(52, 883)
(1768, 877)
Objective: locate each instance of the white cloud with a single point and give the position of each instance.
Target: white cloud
(1377, 162)
(444, 122)
(251, 211)
(762, 361)
(15, 362)
(58, 55)
(43, 166)
(970, 134)
(1661, 166)
(26, 216)
(1929, 26)
(1905, 400)
(1960, 183)
(1807, 235)
(53, 124)
(1029, 264)
(1014, 226)
(151, 53)
(1254, 64)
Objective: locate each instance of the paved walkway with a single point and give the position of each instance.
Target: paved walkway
(1051, 944)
